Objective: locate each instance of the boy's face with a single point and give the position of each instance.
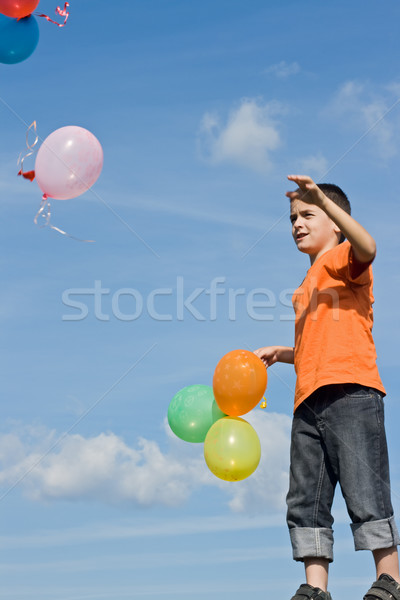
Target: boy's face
(312, 230)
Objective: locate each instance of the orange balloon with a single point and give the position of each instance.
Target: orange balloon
(239, 383)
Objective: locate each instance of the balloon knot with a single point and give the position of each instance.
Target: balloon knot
(27, 174)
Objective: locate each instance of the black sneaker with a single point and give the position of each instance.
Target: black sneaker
(385, 588)
(308, 592)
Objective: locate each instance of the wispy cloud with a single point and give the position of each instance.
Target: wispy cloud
(247, 139)
(315, 165)
(283, 70)
(129, 529)
(198, 212)
(194, 588)
(363, 106)
(147, 560)
(106, 469)
(182, 587)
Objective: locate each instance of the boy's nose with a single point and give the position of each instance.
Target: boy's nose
(297, 222)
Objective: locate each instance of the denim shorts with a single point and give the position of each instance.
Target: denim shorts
(338, 436)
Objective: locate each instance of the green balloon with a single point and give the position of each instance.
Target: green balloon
(192, 411)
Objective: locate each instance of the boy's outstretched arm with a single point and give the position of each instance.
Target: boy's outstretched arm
(272, 354)
(362, 242)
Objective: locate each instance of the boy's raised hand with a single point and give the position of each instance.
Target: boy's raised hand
(361, 241)
(307, 191)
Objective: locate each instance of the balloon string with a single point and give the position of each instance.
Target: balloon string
(62, 12)
(28, 174)
(44, 213)
(263, 403)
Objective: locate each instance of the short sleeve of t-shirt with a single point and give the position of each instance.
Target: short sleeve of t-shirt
(348, 267)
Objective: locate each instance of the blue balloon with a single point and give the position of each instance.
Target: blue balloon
(18, 38)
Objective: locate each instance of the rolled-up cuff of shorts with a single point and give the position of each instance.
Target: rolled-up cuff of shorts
(373, 535)
(310, 542)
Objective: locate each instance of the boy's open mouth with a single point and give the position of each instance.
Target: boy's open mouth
(300, 236)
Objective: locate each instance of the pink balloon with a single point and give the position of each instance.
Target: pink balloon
(68, 162)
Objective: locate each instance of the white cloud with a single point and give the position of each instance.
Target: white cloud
(360, 105)
(104, 468)
(247, 139)
(283, 70)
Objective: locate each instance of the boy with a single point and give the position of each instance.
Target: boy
(338, 425)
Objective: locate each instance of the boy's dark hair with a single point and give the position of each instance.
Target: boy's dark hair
(337, 195)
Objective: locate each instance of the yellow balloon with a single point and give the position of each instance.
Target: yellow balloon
(232, 449)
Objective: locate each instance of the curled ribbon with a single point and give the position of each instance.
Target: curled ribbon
(263, 403)
(44, 213)
(59, 11)
(31, 149)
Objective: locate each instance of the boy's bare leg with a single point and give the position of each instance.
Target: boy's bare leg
(317, 572)
(387, 561)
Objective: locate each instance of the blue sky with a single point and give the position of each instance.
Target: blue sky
(202, 109)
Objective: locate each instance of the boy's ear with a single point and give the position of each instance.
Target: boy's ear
(338, 232)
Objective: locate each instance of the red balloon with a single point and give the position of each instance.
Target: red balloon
(239, 382)
(18, 8)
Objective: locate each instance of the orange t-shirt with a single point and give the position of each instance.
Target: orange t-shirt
(333, 327)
